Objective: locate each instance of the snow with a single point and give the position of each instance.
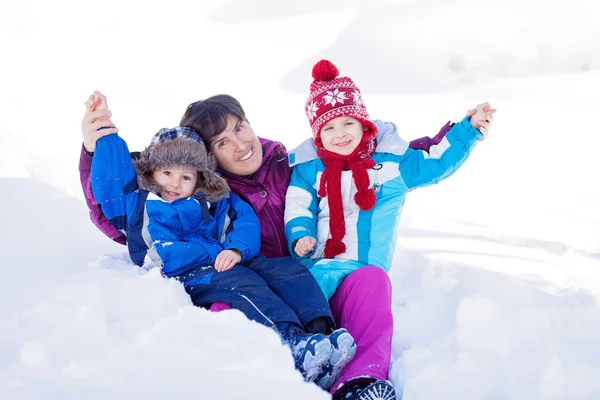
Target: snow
(497, 271)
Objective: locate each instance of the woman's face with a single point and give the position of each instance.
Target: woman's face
(237, 148)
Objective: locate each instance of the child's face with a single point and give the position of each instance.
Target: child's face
(237, 148)
(342, 135)
(176, 182)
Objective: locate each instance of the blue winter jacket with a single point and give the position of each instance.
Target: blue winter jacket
(177, 236)
(370, 235)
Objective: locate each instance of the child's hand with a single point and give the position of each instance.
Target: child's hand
(482, 117)
(96, 115)
(227, 260)
(305, 245)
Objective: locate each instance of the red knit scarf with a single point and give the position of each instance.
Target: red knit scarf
(359, 162)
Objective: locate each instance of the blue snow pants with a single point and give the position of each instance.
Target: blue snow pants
(266, 290)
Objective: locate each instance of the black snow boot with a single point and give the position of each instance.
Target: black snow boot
(375, 390)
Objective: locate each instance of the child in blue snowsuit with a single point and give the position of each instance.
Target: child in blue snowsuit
(178, 213)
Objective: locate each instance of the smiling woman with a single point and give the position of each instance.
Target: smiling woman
(237, 148)
(223, 125)
(256, 169)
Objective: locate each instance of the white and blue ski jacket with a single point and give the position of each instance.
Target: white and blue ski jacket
(370, 235)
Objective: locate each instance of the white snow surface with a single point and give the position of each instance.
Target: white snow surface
(497, 270)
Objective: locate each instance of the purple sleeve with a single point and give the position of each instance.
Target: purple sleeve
(426, 142)
(98, 218)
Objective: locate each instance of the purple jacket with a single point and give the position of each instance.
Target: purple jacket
(98, 218)
(264, 191)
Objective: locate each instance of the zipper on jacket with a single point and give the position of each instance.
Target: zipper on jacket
(376, 185)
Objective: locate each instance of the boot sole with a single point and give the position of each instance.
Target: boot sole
(379, 390)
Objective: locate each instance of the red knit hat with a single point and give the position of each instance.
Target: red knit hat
(331, 97)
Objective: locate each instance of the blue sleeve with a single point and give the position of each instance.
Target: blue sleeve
(165, 229)
(244, 234)
(113, 180)
(422, 168)
(301, 206)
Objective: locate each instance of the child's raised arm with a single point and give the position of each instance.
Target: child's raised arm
(113, 180)
(96, 116)
(421, 168)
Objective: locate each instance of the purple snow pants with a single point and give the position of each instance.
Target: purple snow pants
(363, 305)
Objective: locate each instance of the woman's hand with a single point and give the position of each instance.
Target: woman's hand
(96, 116)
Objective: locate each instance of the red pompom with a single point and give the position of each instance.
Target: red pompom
(325, 71)
(334, 247)
(365, 199)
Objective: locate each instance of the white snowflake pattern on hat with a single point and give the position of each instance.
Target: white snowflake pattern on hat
(311, 110)
(358, 98)
(335, 96)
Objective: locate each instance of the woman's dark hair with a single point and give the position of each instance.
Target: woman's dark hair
(209, 117)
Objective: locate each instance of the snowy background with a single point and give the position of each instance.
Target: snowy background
(497, 271)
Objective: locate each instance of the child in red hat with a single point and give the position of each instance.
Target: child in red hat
(343, 207)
